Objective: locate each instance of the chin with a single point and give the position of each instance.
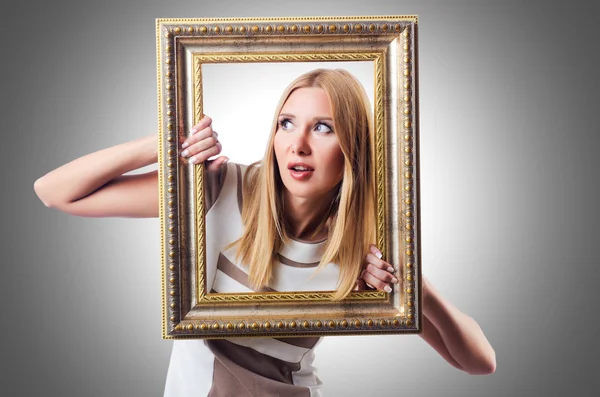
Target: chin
(301, 193)
(304, 192)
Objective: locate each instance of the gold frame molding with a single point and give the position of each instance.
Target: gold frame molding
(183, 46)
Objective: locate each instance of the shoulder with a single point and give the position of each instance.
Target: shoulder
(227, 179)
(248, 174)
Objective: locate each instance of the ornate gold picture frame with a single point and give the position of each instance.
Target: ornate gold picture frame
(184, 47)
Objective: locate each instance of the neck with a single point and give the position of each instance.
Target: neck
(306, 219)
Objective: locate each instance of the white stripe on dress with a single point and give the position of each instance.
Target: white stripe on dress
(184, 379)
(307, 375)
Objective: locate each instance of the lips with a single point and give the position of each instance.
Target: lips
(300, 167)
(300, 171)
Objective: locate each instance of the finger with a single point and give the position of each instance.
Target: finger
(216, 163)
(197, 136)
(202, 124)
(380, 263)
(200, 146)
(375, 282)
(205, 154)
(380, 274)
(375, 251)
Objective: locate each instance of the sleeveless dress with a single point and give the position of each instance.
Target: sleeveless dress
(248, 366)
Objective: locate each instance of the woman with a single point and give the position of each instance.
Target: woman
(314, 185)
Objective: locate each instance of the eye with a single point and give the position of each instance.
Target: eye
(323, 128)
(285, 124)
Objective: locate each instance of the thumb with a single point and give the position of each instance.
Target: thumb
(216, 163)
(361, 285)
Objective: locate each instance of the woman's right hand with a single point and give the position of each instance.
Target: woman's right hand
(203, 144)
(377, 273)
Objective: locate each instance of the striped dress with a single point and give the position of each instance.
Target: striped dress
(248, 366)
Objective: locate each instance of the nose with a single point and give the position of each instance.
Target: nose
(300, 144)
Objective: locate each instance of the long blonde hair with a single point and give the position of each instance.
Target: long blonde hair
(352, 216)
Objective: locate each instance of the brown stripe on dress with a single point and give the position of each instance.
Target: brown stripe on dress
(240, 195)
(234, 272)
(243, 371)
(289, 262)
(213, 183)
(307, 343)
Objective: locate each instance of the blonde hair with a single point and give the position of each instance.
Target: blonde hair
(351, 217)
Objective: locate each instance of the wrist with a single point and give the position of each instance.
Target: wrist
(149, 149)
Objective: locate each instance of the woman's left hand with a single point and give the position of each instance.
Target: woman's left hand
(377, 273)
(202, 144)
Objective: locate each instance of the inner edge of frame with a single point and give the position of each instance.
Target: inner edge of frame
(201, 296)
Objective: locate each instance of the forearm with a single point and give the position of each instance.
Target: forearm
(86, 174)
(462, 337)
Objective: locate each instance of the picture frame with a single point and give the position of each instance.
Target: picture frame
(184, 48)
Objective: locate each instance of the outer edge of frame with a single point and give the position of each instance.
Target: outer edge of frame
(408, 178)
(162, 29)
(256, 27)
(418, 241)
(374, 325)
(412, 252)
(409, 18)
(160, 185)
(167, 208)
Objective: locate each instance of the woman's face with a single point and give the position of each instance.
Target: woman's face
(311, 162)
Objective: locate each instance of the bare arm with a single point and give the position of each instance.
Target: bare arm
(454, 335)
(95, 185)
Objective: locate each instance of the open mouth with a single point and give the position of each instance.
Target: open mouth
(300, 171)
(299, 168)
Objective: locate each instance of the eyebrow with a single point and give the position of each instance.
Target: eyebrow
(291, 116)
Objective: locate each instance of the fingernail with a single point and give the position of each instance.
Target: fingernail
(184, 145)
(387, 288)
(185, 153)
(395, 280)
(226, 160)
(378, 253)
(194, 130)
(192, 160)
(391, 269)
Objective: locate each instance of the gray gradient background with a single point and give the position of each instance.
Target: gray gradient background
(509, 123)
